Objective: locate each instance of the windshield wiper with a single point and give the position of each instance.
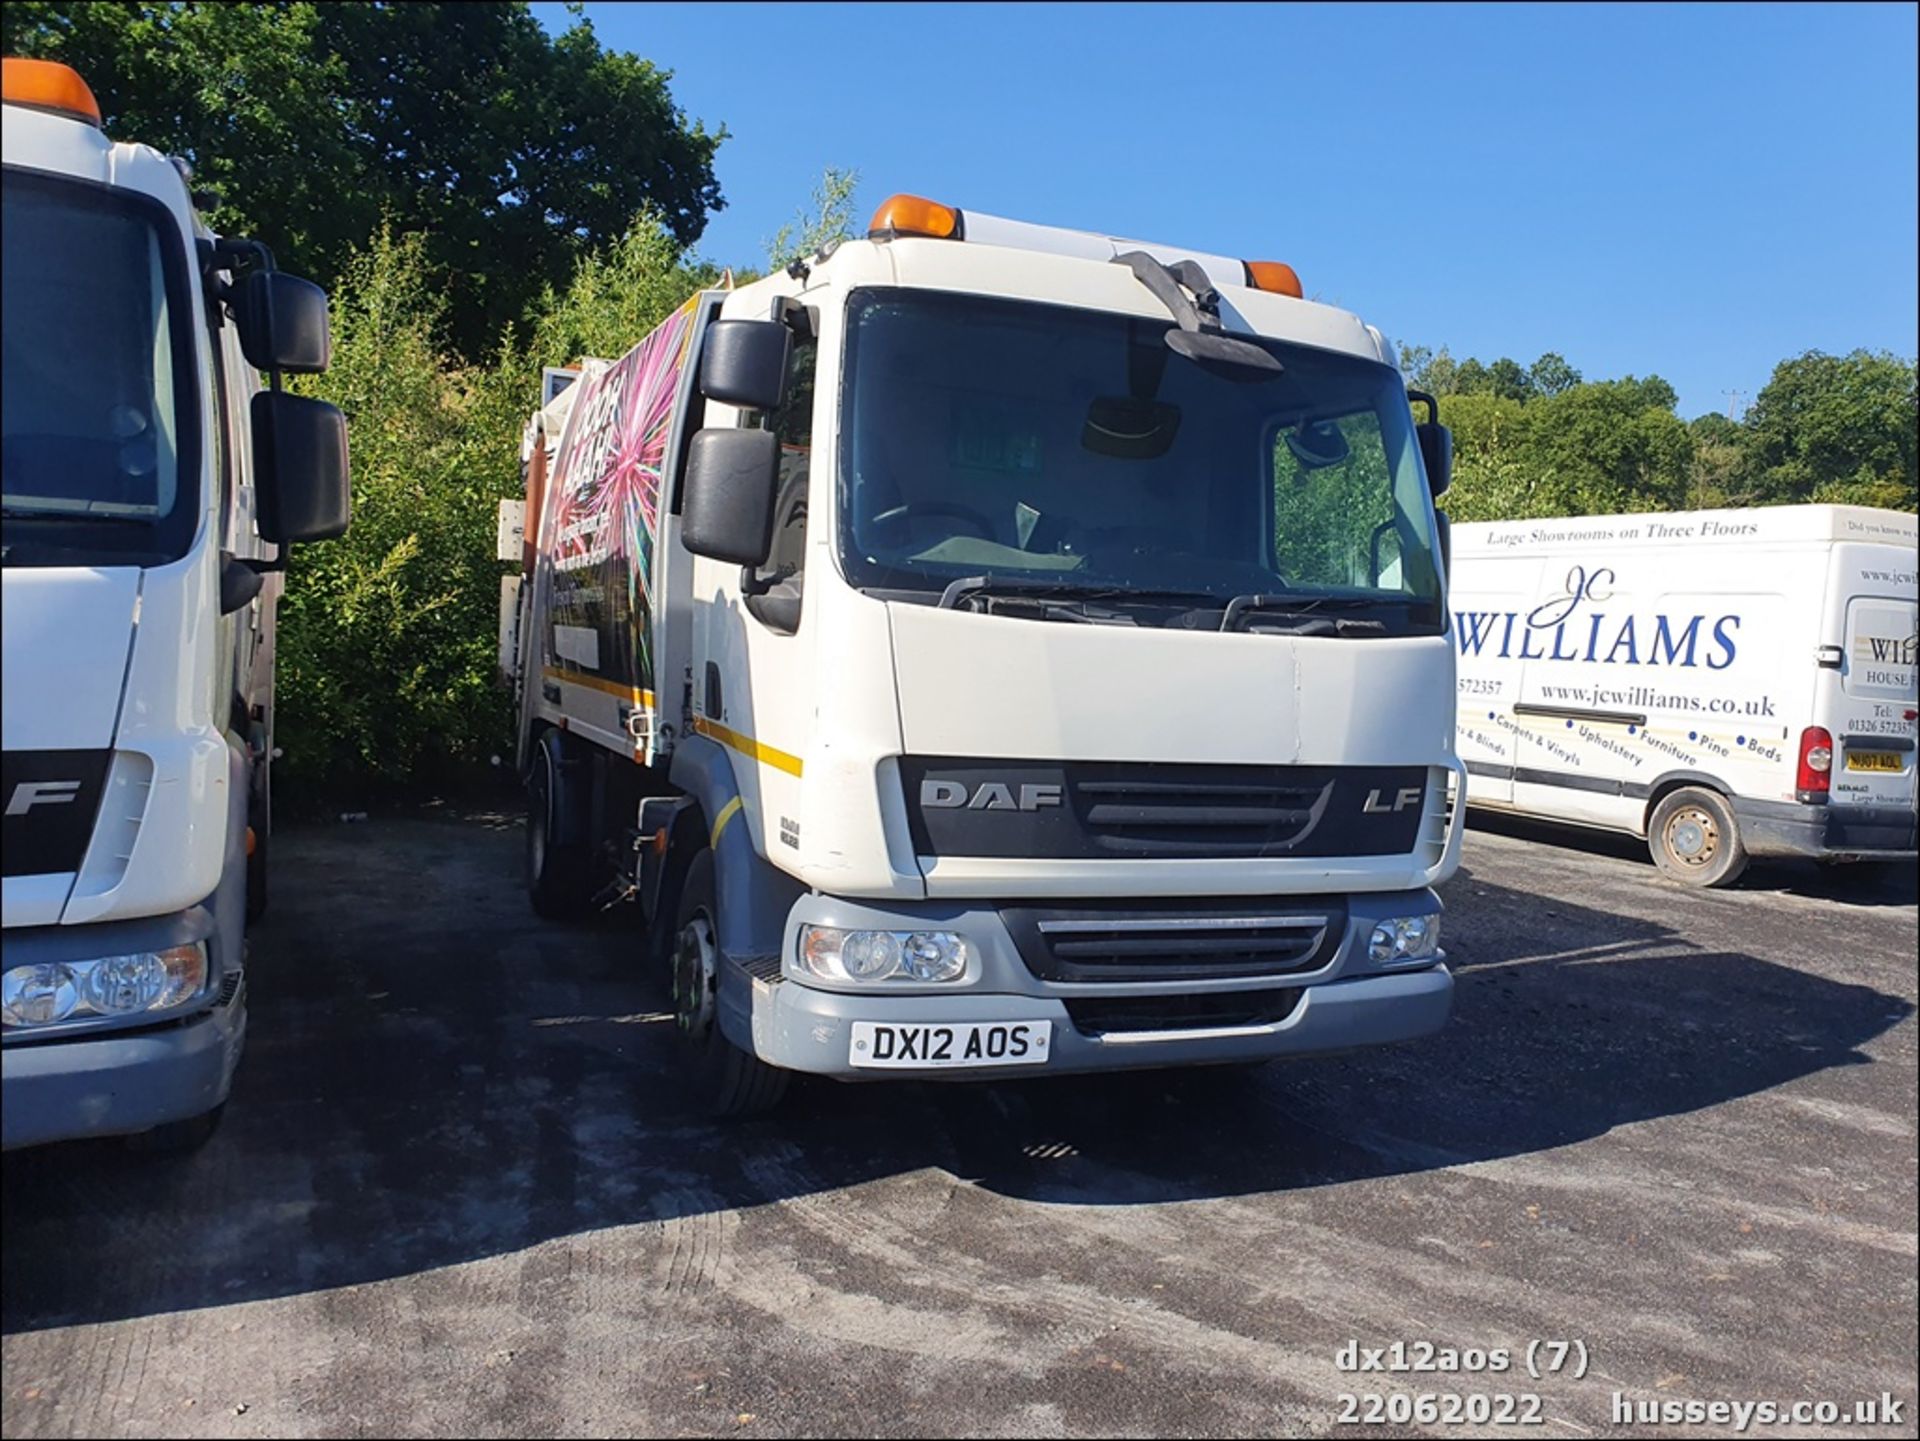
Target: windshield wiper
(1244, 608)
(1026, 586)
(28, 512)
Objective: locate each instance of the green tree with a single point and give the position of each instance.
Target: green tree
(1837, 428)
(1610, 447)
(1471, 378)
(511, 152)
(386, 642)
(1509, 380)
(617, 294)
(1493, 477)
(1720, 473)
(1550, 374)
(827, 220)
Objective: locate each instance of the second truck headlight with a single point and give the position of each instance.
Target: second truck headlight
(1404, 938)
(833, 954)
(50, 992)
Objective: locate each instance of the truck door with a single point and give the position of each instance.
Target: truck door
(1871, 712)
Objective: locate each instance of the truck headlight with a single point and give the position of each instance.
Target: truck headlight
(49, 992)
(1404, 938)
(836, 955)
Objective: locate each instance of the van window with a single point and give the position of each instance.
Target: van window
(1881, 642)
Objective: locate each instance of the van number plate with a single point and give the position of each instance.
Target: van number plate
(976, 1043)
(1873, 761)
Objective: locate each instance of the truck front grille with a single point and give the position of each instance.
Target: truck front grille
(1179, 940)
(1131, 1015)
(1128, 810)
(1200, 815)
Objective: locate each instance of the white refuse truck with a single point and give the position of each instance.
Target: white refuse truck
(1723, 683)
(989, 649)
(151, 488)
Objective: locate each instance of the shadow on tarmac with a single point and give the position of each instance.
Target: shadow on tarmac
(435, 1077)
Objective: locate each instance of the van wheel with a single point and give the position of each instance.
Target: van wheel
(559, 876)
(724, 1080)
(1695, 840)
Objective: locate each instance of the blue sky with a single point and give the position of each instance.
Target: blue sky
(1694, 192)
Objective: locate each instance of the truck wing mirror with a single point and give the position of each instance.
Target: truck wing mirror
(283, 323)
(1436, 449)
(744, 363)
(299, 467)
(728, 513)
(1436, 444)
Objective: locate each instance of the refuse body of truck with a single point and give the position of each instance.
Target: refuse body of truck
(151, 488)
(985, 649)
(1723, 683)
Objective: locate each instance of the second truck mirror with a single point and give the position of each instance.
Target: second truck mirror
(1436, 449)
(1436, 443)
(299, 468)
(283, 323)
(744, 363)
(728, 513)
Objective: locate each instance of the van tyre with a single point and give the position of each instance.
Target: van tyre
(1695, 839)
(723, 1079)
(560, 877)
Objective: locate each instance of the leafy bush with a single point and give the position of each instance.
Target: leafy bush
(388, 637)
(386, 643)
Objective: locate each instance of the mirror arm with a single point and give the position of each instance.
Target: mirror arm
(753, 583)
(795, 316)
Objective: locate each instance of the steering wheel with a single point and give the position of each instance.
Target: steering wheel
(941, 509)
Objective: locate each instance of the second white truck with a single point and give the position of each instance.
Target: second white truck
(152, 486)
(987, 648)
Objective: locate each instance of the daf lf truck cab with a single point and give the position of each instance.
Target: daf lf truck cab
(987, 649)
(151, 489)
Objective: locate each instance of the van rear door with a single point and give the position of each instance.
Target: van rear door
(1873, 708)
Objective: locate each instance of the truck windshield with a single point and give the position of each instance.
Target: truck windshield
(1057, 451)
(99, 402)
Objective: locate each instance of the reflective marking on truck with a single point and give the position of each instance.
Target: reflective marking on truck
(727, 813)
(747, 746)
(599, 683)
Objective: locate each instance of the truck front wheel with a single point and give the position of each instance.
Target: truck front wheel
(1695, 839)
(724, 1080)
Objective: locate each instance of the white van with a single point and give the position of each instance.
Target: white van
(1725, 683)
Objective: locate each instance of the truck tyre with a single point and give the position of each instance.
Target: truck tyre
(723, 1079)
(559, 871)
(178, 1138)
(1695, 839)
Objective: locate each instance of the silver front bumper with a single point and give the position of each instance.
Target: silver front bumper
(1345, 1003)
